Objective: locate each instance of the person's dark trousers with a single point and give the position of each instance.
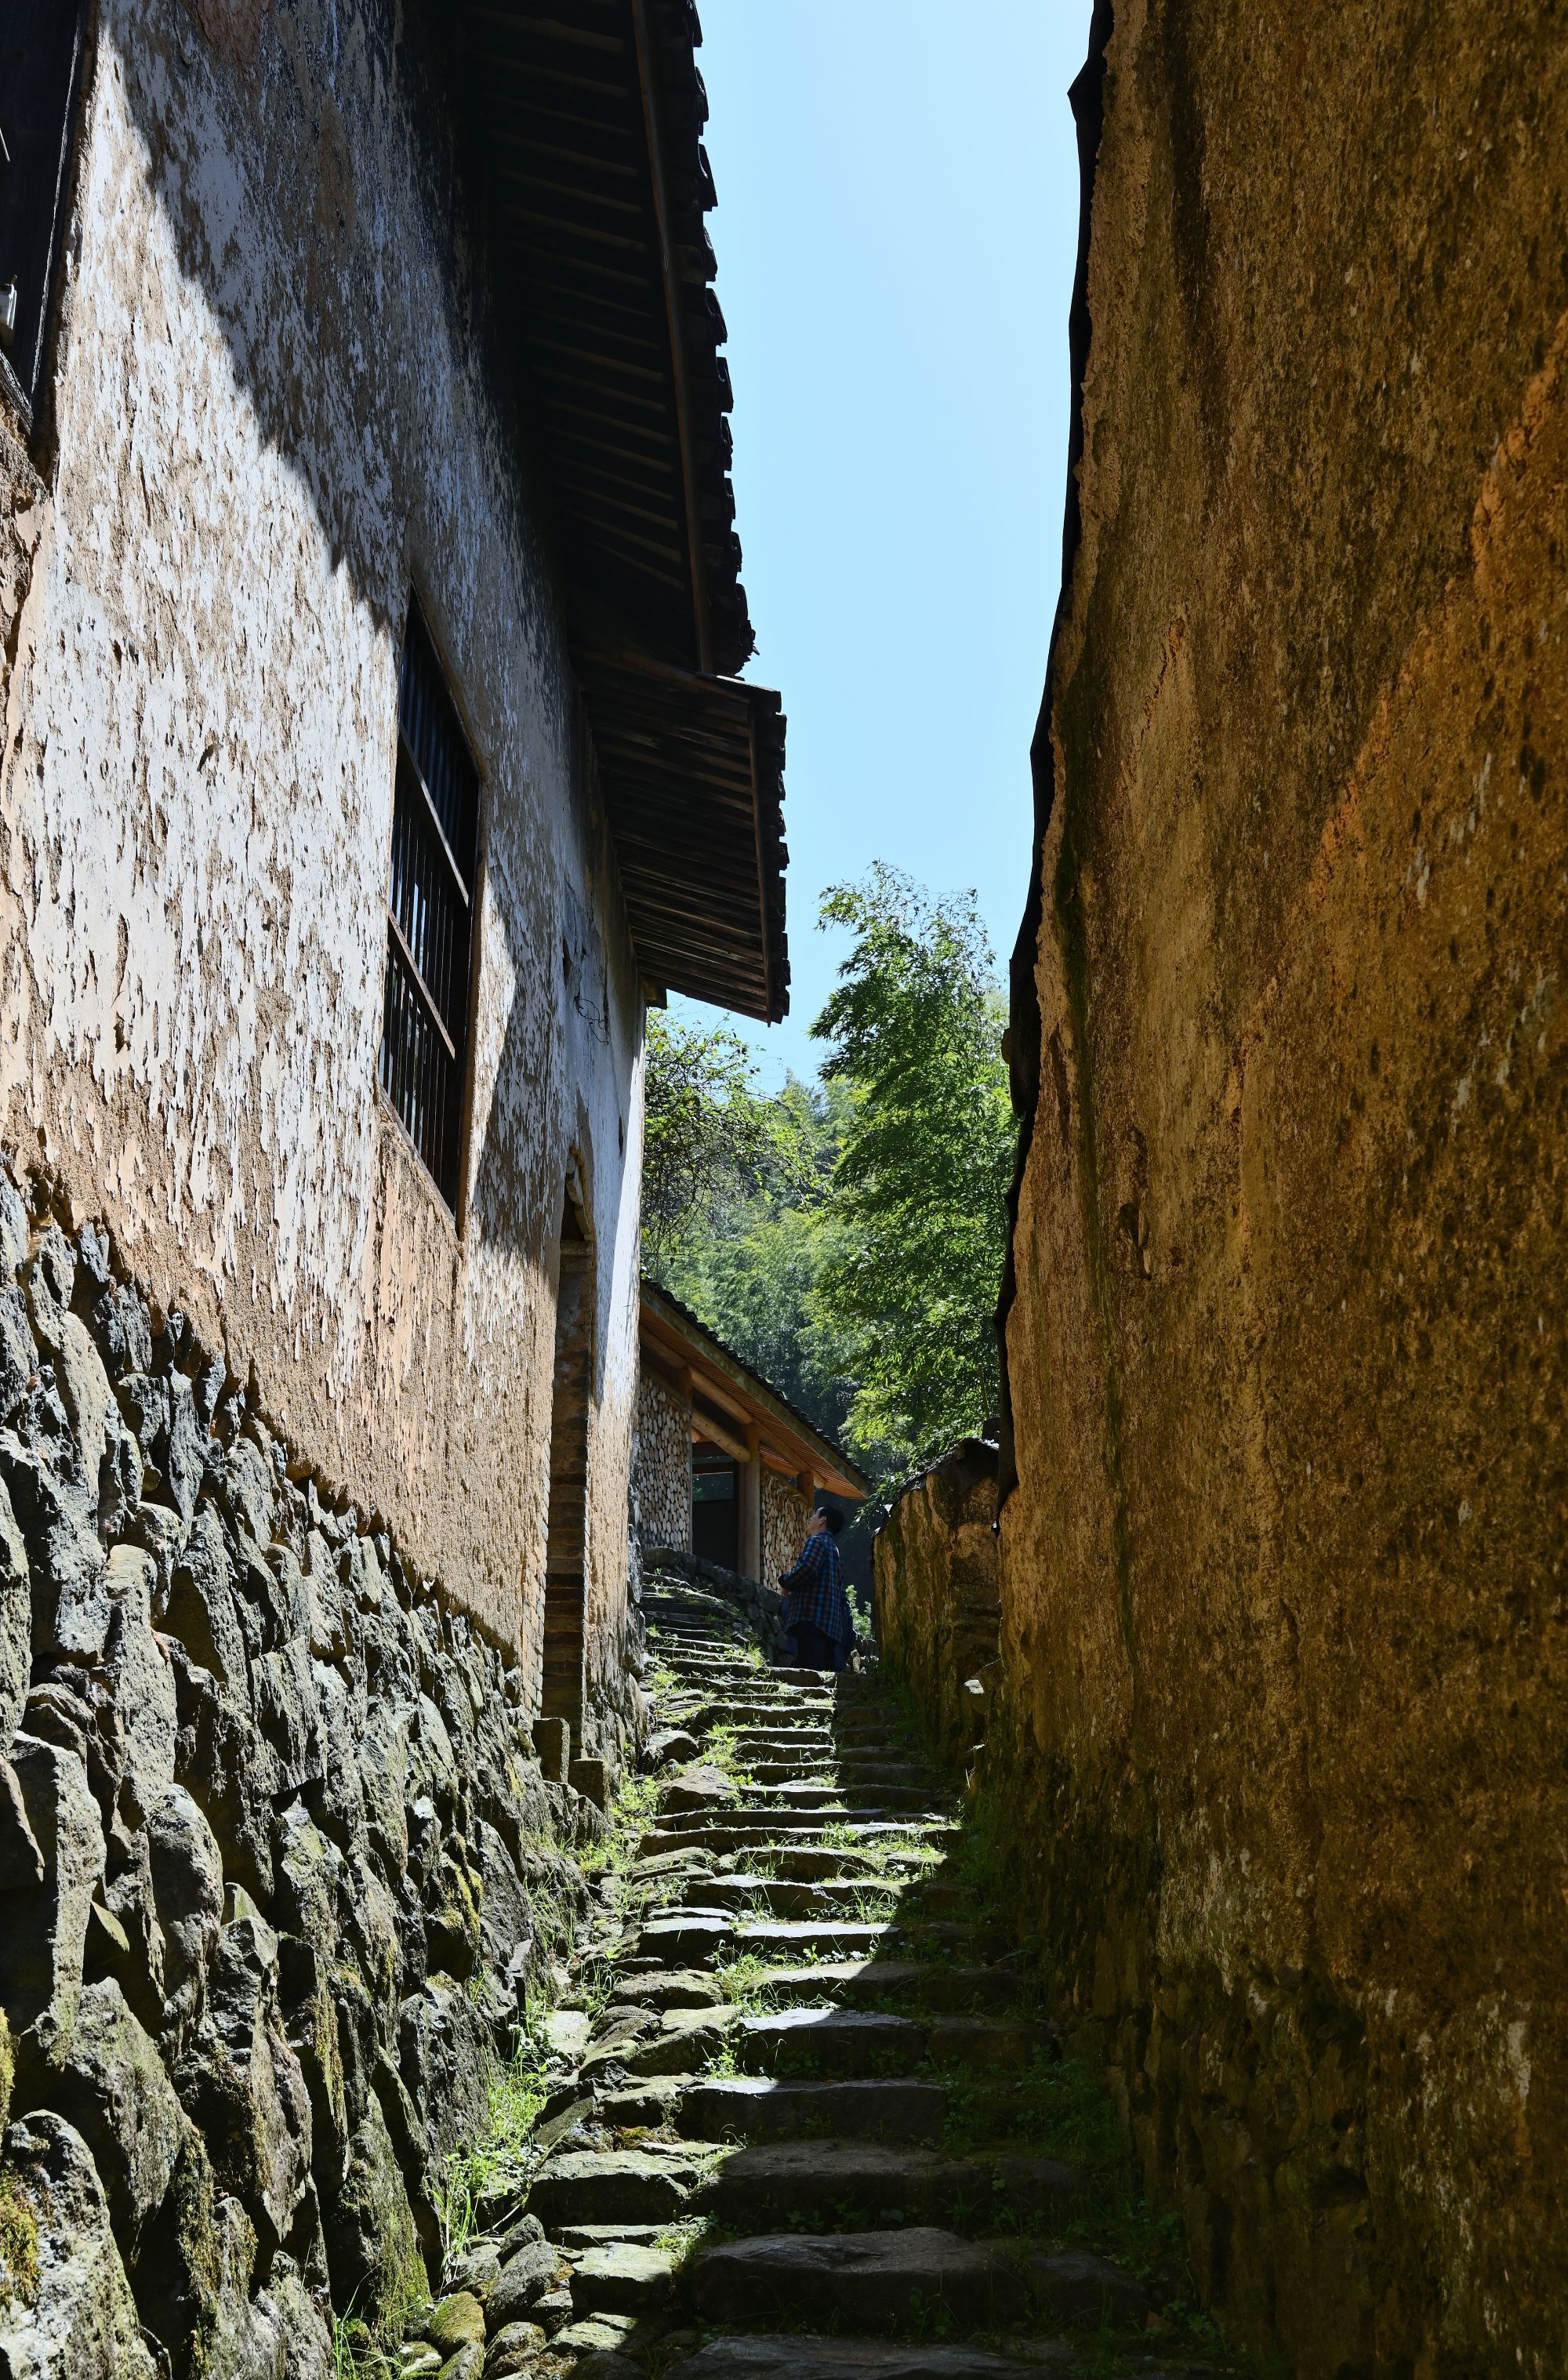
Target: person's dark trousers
(814, 1648)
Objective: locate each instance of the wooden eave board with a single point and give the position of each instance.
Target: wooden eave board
(732, 1389)
(556, 95)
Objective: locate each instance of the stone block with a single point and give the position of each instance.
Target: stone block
(44, 1928)
(592, 1780)
(526, 2278)
(113, 2088)
(553, 1744)
(457, 2320)
(622, 2277)
(66, 2308)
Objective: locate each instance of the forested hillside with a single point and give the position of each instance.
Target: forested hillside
(846, 1235)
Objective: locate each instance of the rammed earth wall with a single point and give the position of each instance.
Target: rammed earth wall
(276, 1861)
(277, 405)
(1284, 1631)
(938, 1608)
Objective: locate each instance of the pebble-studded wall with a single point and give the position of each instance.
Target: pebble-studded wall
(276, 1859)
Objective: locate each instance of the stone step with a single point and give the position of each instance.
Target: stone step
(783, 1897)
(927, 1981)
(756, 2107)
(734, 1830)
(866, 2281)
(824, 2150)
(685, 2041)
(889, 2280)
(801, 1866)
(869, 2185)
(610, 2186)
(736, 1714)
(622, 2277)
(774, 1938)
(827, 1766)
(852, 2040)
(795, 1743)
(795, 2356)
(678, 1987)
(855, 1800)
(681, 1941)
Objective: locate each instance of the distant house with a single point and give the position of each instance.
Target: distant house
(373, 750)
(723, 1465)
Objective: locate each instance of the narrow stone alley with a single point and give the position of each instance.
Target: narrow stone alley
(805, 2117)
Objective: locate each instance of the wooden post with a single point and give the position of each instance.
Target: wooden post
(751, 1560)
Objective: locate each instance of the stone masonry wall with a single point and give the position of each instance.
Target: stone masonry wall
(937, 1607)
(276, 1860)
(660, 1466)
(1285, 1632)
(278, 403)
(784, 1515)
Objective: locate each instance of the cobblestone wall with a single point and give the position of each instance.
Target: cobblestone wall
(276, 1859)
(660, 1466)
(784, 1515)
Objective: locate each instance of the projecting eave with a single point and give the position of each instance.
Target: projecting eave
(727, 1396)
(589, 114)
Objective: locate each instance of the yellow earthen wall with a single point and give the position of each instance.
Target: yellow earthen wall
(1285, 1635)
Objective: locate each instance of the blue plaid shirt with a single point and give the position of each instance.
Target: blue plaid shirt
(814, 1591)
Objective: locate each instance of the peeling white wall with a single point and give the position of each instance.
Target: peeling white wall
(275, 403)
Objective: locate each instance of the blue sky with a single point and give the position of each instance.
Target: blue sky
(896, 231)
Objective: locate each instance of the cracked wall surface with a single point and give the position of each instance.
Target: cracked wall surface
(1284, 1622)
(276, 405)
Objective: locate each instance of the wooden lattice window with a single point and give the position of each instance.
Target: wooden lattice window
(430, 914)
(41, 48)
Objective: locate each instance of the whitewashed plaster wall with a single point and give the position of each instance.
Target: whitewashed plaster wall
(276, 404)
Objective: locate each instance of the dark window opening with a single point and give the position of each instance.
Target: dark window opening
(430, 914)
(715, 1505)
(565, 1556)
(40, 63)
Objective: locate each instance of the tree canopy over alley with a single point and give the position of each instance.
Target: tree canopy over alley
(846, 1236)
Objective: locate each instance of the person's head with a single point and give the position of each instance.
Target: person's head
(825, 1517)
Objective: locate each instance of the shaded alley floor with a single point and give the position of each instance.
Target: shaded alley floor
(806, 2117)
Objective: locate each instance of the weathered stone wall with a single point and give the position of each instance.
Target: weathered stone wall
(784, 1515)
(938, 1599)
(276, 1860)
(660, 1466)
(1284, 1621)
(276, 404)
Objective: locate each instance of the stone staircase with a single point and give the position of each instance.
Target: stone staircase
(797, 2132)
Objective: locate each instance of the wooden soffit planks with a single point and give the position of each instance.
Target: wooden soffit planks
(590, 115)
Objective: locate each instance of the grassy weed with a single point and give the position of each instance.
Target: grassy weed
(497, 2167)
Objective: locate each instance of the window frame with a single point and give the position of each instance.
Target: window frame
(27, 390)
(397, 956)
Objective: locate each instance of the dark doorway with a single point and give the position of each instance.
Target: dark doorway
(715, 1505)
(565, 1576)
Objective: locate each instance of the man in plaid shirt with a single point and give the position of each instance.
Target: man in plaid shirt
(816, 1611)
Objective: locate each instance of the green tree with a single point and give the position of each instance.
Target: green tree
(709, 1141)
(914, 1223)
(746, 1261)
